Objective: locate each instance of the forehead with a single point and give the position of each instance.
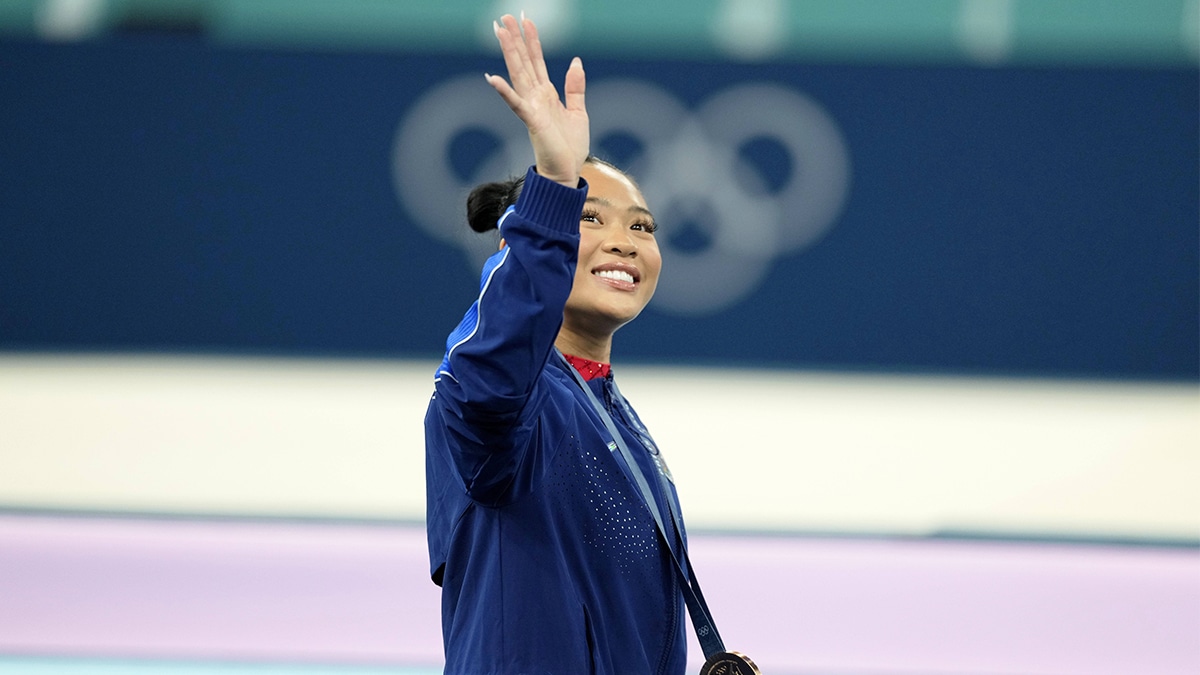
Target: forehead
(607, 183)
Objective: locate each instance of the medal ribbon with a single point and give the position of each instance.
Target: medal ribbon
(706, 630)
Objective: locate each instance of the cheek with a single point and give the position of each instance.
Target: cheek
(653, 261)
(589, 239)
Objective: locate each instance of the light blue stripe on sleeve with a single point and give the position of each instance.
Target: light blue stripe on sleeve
(470, 321)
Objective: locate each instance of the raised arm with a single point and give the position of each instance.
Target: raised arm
(488, 399)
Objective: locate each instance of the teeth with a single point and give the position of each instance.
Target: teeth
(615, 274)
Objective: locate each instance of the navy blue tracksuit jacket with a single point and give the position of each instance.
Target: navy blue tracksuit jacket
(548, 558)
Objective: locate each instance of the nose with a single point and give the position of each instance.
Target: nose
(618, 240)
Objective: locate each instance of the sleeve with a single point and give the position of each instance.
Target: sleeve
(487, 394)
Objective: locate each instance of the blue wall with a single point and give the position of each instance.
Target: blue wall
(163, 194)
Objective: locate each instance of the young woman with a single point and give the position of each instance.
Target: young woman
(549, 558)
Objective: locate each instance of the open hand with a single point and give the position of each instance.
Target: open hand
(558, 130)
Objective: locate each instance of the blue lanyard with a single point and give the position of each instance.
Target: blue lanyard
(706, 630)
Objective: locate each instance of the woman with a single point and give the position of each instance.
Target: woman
(549, 558)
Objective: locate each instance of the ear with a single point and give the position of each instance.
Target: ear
(502, 244)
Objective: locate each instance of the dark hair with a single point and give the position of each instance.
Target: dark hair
(489, 201)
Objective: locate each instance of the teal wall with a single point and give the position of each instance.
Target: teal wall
(1135, 32)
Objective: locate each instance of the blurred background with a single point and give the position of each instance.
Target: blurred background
(924, 360)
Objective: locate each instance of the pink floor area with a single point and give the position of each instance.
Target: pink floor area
(234, 590)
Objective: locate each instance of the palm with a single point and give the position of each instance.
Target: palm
(558, 130)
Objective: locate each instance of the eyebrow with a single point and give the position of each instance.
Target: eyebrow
(634, 208)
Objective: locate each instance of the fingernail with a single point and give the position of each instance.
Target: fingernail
(496, 26)
(522, 16)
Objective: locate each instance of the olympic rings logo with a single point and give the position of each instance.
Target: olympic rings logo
(692, 167)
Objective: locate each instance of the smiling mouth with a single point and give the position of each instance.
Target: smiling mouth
(615, 275)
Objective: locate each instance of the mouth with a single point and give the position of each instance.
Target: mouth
(622, 276)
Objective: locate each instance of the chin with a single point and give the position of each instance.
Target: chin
(623, 314)
(604, 319)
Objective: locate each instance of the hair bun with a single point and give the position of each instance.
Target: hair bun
(489, 201)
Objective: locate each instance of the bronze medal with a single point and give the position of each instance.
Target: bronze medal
(729, 663)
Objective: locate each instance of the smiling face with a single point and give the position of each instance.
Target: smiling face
(619, 260)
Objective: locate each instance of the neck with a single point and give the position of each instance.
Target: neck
(585, 346)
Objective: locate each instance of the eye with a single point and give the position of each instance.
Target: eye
(647, 226)
(589, 216)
